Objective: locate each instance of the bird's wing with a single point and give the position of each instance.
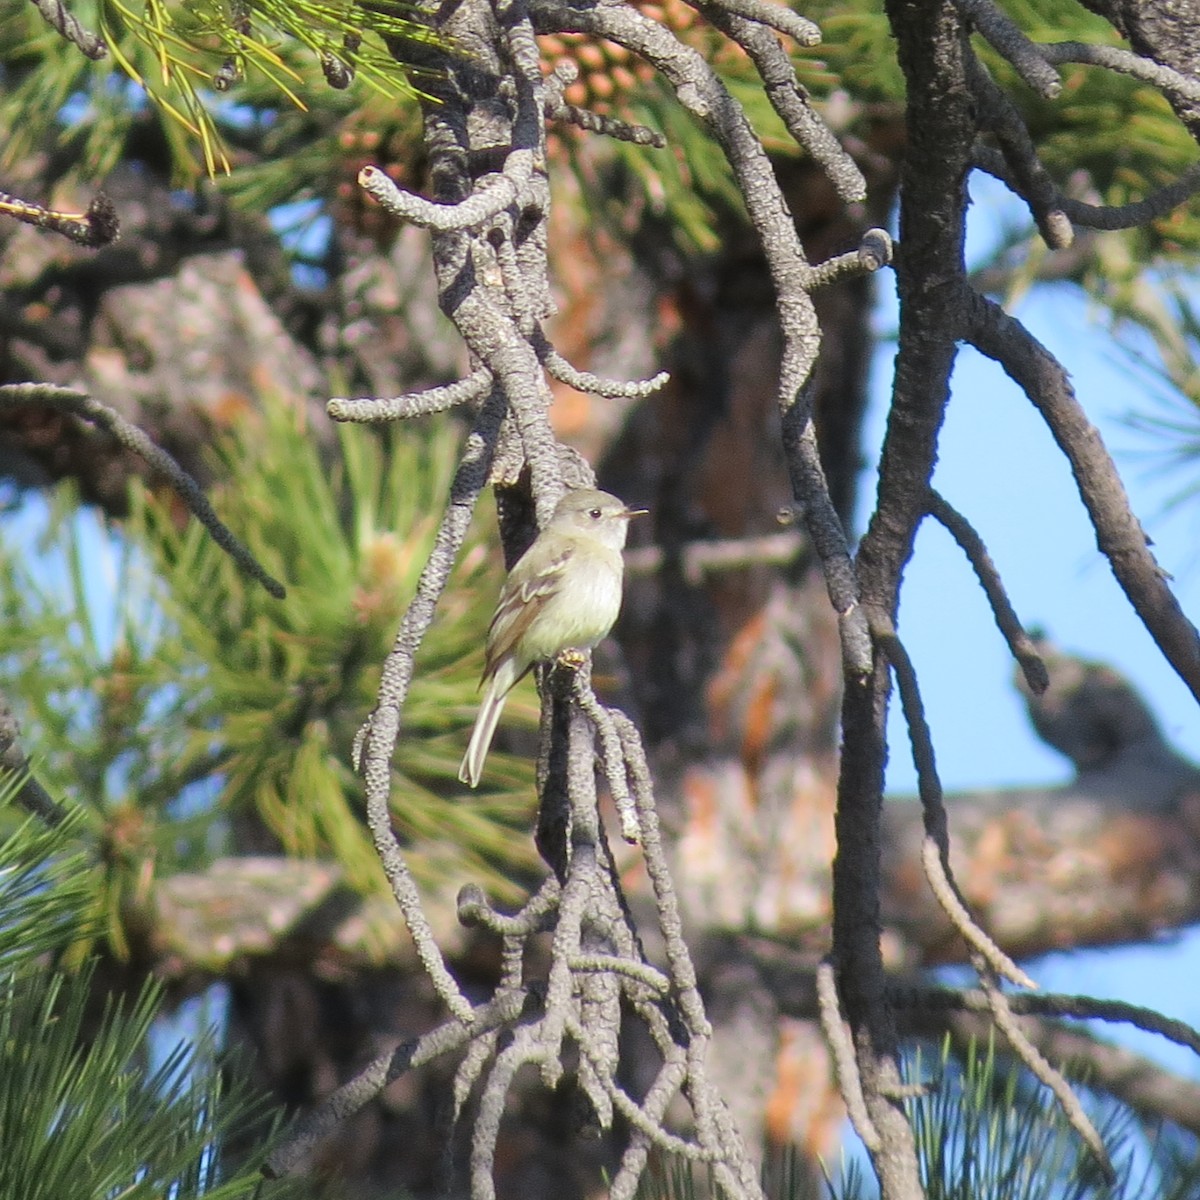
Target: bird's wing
(525, 592)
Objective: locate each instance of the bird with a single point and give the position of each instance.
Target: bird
(563, 593)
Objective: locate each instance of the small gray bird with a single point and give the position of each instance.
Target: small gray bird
(563, 593)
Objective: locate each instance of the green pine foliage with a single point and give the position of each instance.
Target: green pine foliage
(44, 896)
(987, 1131)
(172, 699)
(194, 66)
(276, 690)
(91, 1103)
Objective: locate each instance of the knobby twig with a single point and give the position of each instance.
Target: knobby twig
(1094, 216)
(352, 1096)
(416, 404)
(1114, 58)
(1008, 40)
(55, 13)
(98, 225)
(999, 115)
(376, 740)
(566, 72)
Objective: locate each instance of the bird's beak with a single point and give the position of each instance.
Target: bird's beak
(630, 513)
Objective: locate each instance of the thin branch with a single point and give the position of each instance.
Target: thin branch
(649, 1125)
(520, 301)
(134, 439)
(845, 1062)
(1044, 1070)
(654, 1106)
(1010, 42)
(731, 1167)
(536, 915)
(612, 754)
(30, 795)
(935, 848)
(376, 740)
(97, 226)
(714, 555)
(783, 20)
(413, 404)
(491, 199)
(557, 109)
(1053, 1004)
(55, 13)
(1034, 184)
(1098, 216)
(643, 973)
(1020, 644)
(874, 251)
(1119, 534)
(1117, 59)
(352, 1096)
(1133, 1078)
(596, 385)
(946, 892)
(522, 1049)
(787, 96)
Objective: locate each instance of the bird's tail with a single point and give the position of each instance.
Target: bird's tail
(471, 770)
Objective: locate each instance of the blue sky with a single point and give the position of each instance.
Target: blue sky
(1000, 468)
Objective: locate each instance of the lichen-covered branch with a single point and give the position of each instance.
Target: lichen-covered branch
(132, 438)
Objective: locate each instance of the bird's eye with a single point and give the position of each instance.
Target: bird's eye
(595, 514)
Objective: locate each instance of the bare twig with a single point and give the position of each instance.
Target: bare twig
(488, 202)
(1043, 1069)
(998, 114)
(97, 226)
(132, 438)
(1008, 40)
(935, 848)
(845, 1063)
(1020, 644)
(1118, 59)
(377, 1074)
(773, 16)
(612, 754)
(713, 555)
(557, 109)
(1054, 1004)
(377, 738)
(1120, 536)
(874, 251)
(787, 96)
(946, 891)
(1098, 216)
(1134, 1079)
(415, 404)
(596, 385)
(536, 914)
